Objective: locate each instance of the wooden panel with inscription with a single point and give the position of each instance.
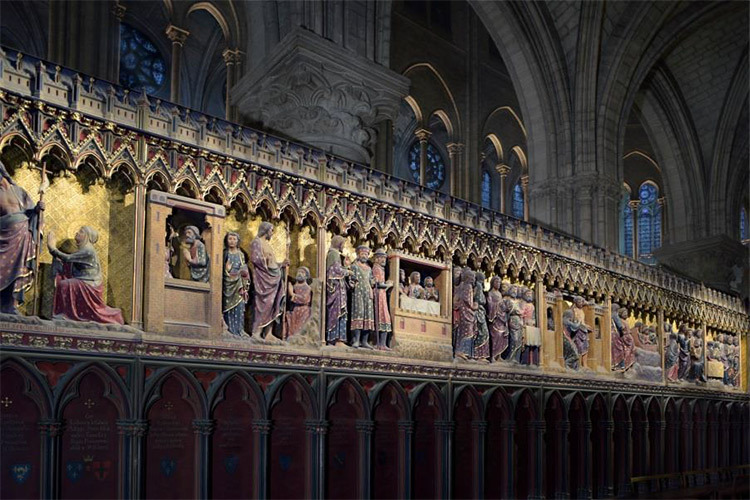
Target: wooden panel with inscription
(171, 445)
(20, 464)
(90, 451)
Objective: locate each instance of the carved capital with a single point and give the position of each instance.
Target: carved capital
(406, 426)
(479, 425)
(422, 134)
(232, 56)
(203, 426)
(455, 148)
(50, 427)
(503, 170)
(524, 181)
(176, 35)
(634, 204)
(319, 427)
(118, 10)
(364, 426)
(508, 426)
(135, 428)
(261, 426)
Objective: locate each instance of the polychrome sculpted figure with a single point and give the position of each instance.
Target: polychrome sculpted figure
(455, 281)
(363, 303)
(430, 291)
(337, 284)
(497, 316)
(415, 290)
(570, 350)
(578, 330)
(235, 285)
(683, 341)
(79, 291)
(671, 354)
(696, 356)
(382, 314)
(267, 281)
(19, 217)
(482, 339)
(532, 335)
(194, 254)
(465, 308)
(515, 325)
(403, 286)
(300, 300)
(623, 346)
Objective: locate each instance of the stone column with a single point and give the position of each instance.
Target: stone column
(607, 488)
(445, 429)
(525, 188)
(480, 431)
(316, 430)
(625, 487)
(364, 433)
(509, 429)
(261, 429)
(662, 202)
(50, 430)
(585, 490)
(536, 436)
(406, 429)
(233, 59)
(320, 242)
(454, 152)
(424, 136)
(562, 429)
(177, 36)
(203, 428)
(503, 170)
(634, 204)
(131, 433)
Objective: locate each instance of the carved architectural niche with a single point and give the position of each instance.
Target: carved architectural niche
(318, 92)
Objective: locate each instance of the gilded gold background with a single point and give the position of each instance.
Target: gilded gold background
(72, 201)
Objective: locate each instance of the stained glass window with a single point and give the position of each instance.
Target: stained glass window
(649, 221)
(626, 222)
(486, 189)
(141, 64)
(434, 170)
(517, 206)
(743, 225)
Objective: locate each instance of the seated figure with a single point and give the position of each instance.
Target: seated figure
(415, 290)
(430, 291)
(79, 291)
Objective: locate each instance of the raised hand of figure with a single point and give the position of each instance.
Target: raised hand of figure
(388, 284)
(40, 206)
(285, 263)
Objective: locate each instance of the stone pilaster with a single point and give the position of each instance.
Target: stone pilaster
(177, 36)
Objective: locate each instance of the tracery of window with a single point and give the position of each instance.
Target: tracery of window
(141, 64)
(744, 237)
(486, 189)
(518, 201)
(649, 221)
(626, 223)
(434, 171)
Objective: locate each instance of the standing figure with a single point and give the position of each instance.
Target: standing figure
(623, 345)
(683, 341)
(300, 300)
(671, 354)
(464, 307)
(430, 292)
(403, 286)
(79, 291)
(194, 254)
(268, 283)
(337, 284)
(455, 282)
(696, 356)
(382, 314)
(497, 316)
(736, 361)
(532, 334)
(515, 325)
(415, 290)
(482, 340)
(235, 285)
(19, 217)
(363, 305)
(578, 330)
